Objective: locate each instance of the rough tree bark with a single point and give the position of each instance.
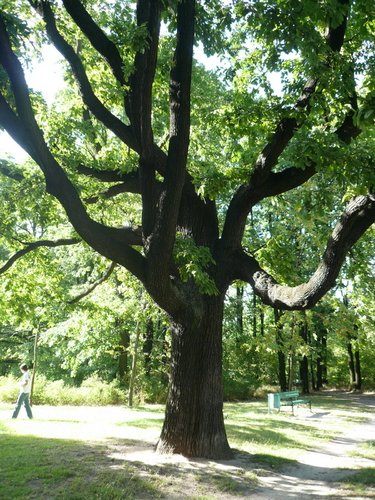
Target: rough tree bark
(194, 423)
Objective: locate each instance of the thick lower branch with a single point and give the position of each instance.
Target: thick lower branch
(356, 219)
(248, 196)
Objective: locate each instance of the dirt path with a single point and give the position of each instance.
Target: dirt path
(318, 472)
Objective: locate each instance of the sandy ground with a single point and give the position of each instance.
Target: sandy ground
(316, 475)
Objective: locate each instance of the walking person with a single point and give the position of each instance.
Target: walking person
(23, 398)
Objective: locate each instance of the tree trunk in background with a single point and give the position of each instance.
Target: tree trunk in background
(290, 371)
(354, 368)
(312, 374)
(35, 360)
(134, 365)
(351, 365)
(321, 360)
(261, 315)
(304, 374)
(280, 352)
(319, 373)
(165, 355)
(148, 343)
(357, 369)
(254, 315)
(194, 423)
(304, 363)
(324, 358)
(239, 312)
(312, 364)
(123, 356)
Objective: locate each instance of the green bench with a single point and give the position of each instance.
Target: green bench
(290, 398)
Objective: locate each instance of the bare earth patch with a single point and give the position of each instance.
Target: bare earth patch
(317, 474)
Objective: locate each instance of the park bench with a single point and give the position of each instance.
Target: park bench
(290, 398)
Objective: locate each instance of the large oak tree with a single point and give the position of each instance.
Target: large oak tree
(323, 52)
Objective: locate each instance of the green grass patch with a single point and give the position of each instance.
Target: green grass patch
(34, 467)
(143, 423)
(366, 450)
(361, 483)
(277, 438)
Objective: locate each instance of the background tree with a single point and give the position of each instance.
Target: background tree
(185, 242)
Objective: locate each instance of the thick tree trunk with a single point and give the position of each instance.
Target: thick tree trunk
(194, 423)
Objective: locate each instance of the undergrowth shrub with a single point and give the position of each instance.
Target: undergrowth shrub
(92, 392)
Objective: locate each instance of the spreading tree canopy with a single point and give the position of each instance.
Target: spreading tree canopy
(189, 155)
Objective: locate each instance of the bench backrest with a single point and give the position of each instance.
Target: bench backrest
(288, 394)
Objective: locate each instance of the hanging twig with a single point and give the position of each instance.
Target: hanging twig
(92, 287)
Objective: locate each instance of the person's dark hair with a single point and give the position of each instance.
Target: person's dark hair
(24, 367)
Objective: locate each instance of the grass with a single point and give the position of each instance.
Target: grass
(366, 450)
(35, 467)
(278, 438)
(360, 481)
(100, 453)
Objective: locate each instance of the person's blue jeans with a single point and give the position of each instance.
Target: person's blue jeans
(23, 398)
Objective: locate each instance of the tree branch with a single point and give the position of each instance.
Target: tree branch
(358, 216)
(111, 193)
(122, 131)
(107, 175)
(248, 196)
(92, 287)
(288, 126)
(97, 38)
(113, 243)
(139, 98)
(7, 169)
(30, 247)
(242, 201)
(163, 236)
